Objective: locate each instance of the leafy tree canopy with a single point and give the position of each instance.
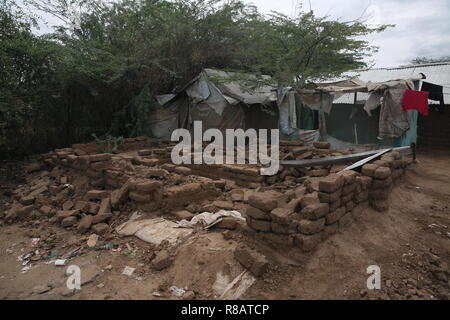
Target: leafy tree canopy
(99, 70)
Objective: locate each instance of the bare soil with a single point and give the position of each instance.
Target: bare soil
(410, 243)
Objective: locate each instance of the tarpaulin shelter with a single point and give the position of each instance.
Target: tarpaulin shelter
(377, 120)
(219, 99)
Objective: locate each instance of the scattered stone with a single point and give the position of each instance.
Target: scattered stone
(100, 228)
(225, 205)
(69, 221)
(227, 223)
(252, 260)
(97, 194)
(92, 240)
(266, 201)
(101, 217)
(162, 260)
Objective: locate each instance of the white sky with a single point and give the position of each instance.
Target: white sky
(422, 26)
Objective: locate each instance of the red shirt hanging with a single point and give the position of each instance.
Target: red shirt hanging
(416, 100)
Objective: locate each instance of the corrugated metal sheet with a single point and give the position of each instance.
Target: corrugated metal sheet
(437, 73)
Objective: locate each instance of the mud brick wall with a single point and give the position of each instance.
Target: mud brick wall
(434, 130)
(307, 219)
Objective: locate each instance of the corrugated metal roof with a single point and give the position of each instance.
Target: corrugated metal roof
(436, 73)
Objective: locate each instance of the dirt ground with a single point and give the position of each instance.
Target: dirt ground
(410, 243)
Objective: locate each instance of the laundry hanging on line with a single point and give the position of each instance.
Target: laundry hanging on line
(416, 100)
(435, 93)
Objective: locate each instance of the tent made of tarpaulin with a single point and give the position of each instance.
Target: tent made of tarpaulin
(378, 121)
(220, 100)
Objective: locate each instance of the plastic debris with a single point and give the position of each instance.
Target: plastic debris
(208, 219)
(128, 271)
(60, 262)
(177, 292)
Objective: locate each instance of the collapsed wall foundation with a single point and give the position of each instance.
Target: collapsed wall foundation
(309, 216)
(83, 188)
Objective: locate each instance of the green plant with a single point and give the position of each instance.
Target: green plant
(108, 143)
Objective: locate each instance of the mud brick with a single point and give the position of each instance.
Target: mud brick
(308, 199)
(334, 216)
(99, 166)
(68, 221)
(397, 164)
(369, 169)
(299, 192)
(362, 196)
(139, 197)
(145, 152)
(100, 157)
(349, 188)
(226, 205)
(105, 206)
(257, 214)
(382, 173)
(345, 220)
(183, 171)
(382, 184)
(349, 176)
(97, 194)
(259, 225)
(46, 210)
(24, 211)
(358, 188)
(100, 228)
(389, 160)
(330, 197)
(39, 191)
(329, 230)
(227, 223)
(300, 150)
(380, 205)
(81, 205)
(61, 214)
(395, 154)
(306, 155)
(349, 206)
(94, 174)
(307, 242)
(382, 163)
(334, 205)
(309, 227)
(315, 211)
(26, 201)
(149, 185)
(347, 198)
(318, 173)
(365, 181)
(93, 207)
(281, 215)
(252, 260)
(81, 163)
(321, 145)
(85, 223)
(148, 162)
(101, 217)
(156, 172)
(162, 260)
(381, 194)
(265, 201)
(331, 183)
(120, 195)
(279, 228)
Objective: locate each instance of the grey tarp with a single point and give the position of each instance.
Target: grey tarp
(393, 122)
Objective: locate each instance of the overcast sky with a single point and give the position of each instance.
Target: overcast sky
(422, 26)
